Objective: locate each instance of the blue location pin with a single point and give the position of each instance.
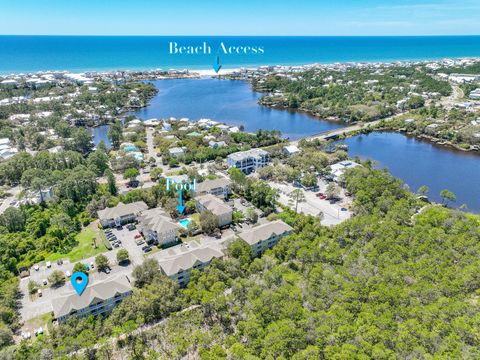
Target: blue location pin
(79, 281)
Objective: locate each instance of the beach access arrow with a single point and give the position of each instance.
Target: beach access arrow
(217, 66)
(180, 206)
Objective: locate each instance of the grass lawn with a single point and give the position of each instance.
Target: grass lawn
(83, 249)
(43, 321)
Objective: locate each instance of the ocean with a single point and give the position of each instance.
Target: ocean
(82, 53)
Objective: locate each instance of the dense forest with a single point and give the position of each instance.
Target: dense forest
(400, 280)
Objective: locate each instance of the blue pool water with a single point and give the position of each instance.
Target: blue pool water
(184, 223)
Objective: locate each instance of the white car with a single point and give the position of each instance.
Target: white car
(49, 264)
(68, 274)
(36, 267)
(45, 282)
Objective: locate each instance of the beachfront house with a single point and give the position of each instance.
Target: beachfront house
(217, 207)
(121, 214)
(248, 161)
(263, 237)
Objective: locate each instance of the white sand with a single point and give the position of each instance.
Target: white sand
(211, 72)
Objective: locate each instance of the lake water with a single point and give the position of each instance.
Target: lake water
(416, 162)
(229, 101)
(419, 162)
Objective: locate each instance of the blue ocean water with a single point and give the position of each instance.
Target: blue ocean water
(81, 53)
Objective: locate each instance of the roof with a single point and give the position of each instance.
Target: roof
(155, 220)
(255, 153)
(208, 185)
(264, 232)
(122, 210)
(176, 150)
(187, 258)
(213, 204)
(291, 149)
(92, 294)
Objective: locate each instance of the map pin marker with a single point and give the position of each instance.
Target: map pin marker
(79, 281)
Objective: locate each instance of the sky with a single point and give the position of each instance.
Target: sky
(244, 17)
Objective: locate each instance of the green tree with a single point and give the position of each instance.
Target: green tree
(447, 196)
(111, 182)
(131, 174)
(13, 219)
(122, 256)
(332, 191)
(297, 196)
(208, 222)
(146, 273)
(80, 267)
(56, 278)
(101, 261)
(115, 134)
(423, 190)
(251, 215)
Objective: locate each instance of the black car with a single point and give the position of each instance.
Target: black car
(59, 262)
(146, 248)
(131, 227)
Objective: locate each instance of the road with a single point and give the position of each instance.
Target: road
(150, 147)
(342, 131)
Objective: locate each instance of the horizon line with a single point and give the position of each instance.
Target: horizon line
(184, 35)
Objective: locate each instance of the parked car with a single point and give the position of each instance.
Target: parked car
(119, 227)
(107, 270)
(49, 264)
(44, 281)
(139, 241)
(68, 274)
(138, 236)
(59, 262)
(131, 227)
(146, 248)
(92, 265)
(116, 245)
(36, 267)
(39, 292)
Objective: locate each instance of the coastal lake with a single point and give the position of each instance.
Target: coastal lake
(416, 162)
(229, 101)
(419, 162)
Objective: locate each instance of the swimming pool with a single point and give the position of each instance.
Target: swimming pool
(184, 223)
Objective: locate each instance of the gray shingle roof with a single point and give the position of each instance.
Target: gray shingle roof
(155, 220)
(92, 294)
(122, 210)
(188, 259)
(209, 185)
(264, 232)
(213, 204)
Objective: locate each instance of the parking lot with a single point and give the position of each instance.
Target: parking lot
(333, 214)
(33, 306)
